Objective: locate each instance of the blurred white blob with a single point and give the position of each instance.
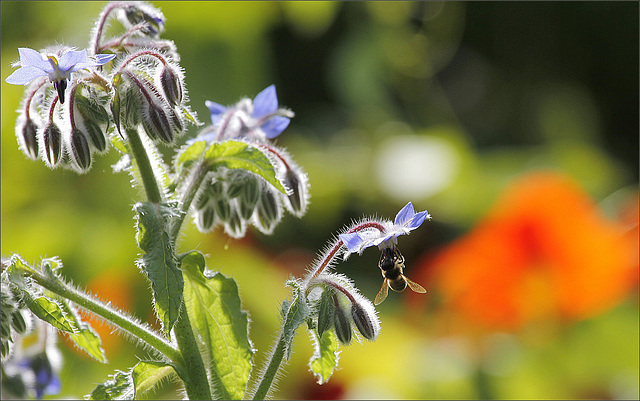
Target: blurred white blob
(411, 167)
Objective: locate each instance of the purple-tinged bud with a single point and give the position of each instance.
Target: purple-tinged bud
(27, 135)
(296, 181)
(137, 13)
(171, 85)
(52, 137)
(80, 150)
(341, 323)
(326, 311)
(156, 123)
(364, 316)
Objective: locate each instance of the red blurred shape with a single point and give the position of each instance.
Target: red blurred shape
(543, 251)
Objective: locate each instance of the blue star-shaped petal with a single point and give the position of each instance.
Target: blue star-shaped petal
(34, 64)
(406, 220)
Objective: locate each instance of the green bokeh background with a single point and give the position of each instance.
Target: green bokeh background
(468, 95)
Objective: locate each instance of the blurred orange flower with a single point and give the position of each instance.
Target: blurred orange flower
(543, 251)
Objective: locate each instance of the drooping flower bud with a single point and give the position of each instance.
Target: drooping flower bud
(297, 200)
(268, 210)
(249, 197)
(365, 318)
(26, 130)
(171, 82)
(139, 12)
(223, 209)
(156, 123)
(52, 138)
(342, 323)
(236, 226)
(206, 218)
(80, 150)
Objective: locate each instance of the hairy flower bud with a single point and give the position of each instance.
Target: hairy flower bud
(27, 136)
(249, 197)
(171, 84)
(156, 123)
(223, 209)
(296, 181)
(235, 227)
(52, 138)
(268, 210)
(366, 321)
(80, 150)
(342, 323)
(138, 12)
(206, 219)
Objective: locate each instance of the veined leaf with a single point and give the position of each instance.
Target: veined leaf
(49, 311)
(148, 374)
(240, 155)
(84, 336)
(325, 358)
(119, 387)
(158, 261)
(135, 382)
(190, 154)
(216, 315)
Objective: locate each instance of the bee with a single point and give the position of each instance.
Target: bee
(391, 265)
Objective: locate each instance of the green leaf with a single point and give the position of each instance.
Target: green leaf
(190, 154)
(158, 261)
(87, 339)
(119, 387)
(214, 307)
(84, 336)
(240, 155)
(325, 358)
(295, 313)
(148, 374)
(49, 311)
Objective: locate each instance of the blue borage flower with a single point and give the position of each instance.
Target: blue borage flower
(406, 220)
(258, 119)
(57, 67)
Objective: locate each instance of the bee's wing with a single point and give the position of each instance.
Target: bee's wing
(382, 294)
(415, 286)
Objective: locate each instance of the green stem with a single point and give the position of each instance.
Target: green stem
(195, 379)
(272, 368)
(291, 324)
(188, 195)
(116, 317)
(197, 383)
(146, 171)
